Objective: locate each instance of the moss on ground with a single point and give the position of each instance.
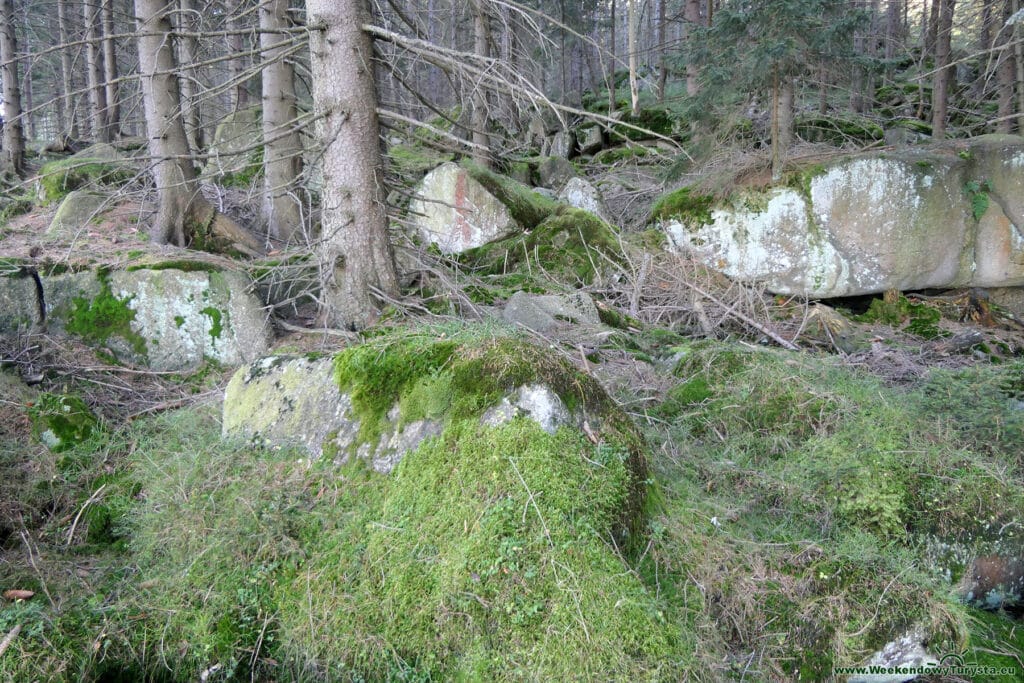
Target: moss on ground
(569, 246)
(792, 493)
(61, 421)
(917, 318)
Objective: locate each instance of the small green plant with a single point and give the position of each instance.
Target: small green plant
(977, 193)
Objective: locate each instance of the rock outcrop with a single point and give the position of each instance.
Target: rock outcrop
(380, 401)
(75, 212)
(937, 218)
(580, 194)
(455, 212)
(162, 318)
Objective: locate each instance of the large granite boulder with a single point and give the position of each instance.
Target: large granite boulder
(457, 213)
(378, 402)
(165, 319)
(936, 218)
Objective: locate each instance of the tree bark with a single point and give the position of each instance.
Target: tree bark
(240, 98)
(1005, 75)
(282, 153)
(478, 121)
(691, 19)
(188, 76)
(94, 72)
(662, 49)
(112, 118)
(184, 217)
(356, 256)
(13, 133)
(612, 106)
(26, 88)
(67, 88)
(782, 122)
(1018, 58)
(943, 71)
(634, 84)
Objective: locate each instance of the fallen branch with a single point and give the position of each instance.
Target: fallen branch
(9, 638)
(781, 341)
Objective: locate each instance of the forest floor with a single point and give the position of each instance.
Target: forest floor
(797, 494)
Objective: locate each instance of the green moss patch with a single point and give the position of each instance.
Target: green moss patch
(684, 204)
(571, 245)
(105, 316)
(61, 421)
(527, 207)
(917, 318)
(657, 121)
(58, 178)
(838, 130)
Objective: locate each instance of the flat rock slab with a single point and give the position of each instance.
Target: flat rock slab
(545, 312)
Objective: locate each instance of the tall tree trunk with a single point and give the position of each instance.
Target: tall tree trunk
(782, 121)
(691, 20)
(893, 30)
(1005, 75)
(113, 113)
(94, 72)
(13, 135)
(1018, 58)
(188, 76)
(943, 72)
(240, 97)
(612, 106)
(282, 151)
(356, 255)
(183, 215)
(478, 120)
(662, 49)
(634, 84)
(26, 88)
(858, 78)
(70, 123)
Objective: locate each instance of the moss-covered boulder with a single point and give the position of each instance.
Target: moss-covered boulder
(942, 217)
(75, 213)
(61, 421)
(554, 172)
(379, 402)
(95, 166)
(572, 245)
(166, 319)
(580, 194)
(19, 305)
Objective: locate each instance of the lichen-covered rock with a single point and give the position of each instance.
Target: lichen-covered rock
(906, 652)
(96, 165)
(562, 144)
(455, 212)
(994, 582)
(580, 194)
(382, 400)
(75, 213)
(165, 319)
(61, 421)
(591, 140)
(545, 312)
(916, 220)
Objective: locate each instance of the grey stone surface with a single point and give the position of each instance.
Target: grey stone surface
(907, 651)
(75, 213)
(554, 172)
(180, 318)
(544, 312)
(580, 194)
(19, 309)
(562, 144)
(229, 150)
(590, 140)
(900, 221)
(294, 400)
(455, 212)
